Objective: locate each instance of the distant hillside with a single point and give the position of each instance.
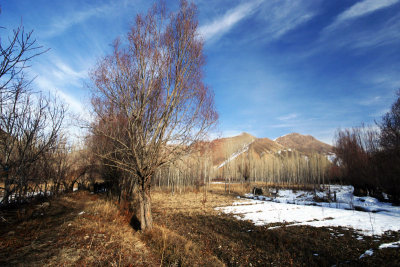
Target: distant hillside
(230, 149)
(263, 146)
(304, 143)
(224, 148)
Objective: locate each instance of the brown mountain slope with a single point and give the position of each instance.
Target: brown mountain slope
(265, 146)
(304, 143)
(223, 148)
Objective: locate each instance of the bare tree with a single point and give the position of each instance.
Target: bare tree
(388, 159)
(29, 122)
(356, 149)
(390, 128)
(149, 98)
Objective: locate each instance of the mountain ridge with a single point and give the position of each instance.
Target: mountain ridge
(232, 148)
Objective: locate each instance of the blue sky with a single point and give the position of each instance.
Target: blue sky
(276, 66)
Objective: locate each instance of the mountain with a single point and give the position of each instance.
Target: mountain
(229, 149)
(304, 143)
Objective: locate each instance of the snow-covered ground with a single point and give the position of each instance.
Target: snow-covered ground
(300, 208)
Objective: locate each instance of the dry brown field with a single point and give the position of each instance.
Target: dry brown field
(82, 229)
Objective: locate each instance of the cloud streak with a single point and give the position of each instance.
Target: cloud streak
(360, 9)
(288, 117)
(56, 77)
(222, 25)
(74, 105)
(61, 24)
(281, 17)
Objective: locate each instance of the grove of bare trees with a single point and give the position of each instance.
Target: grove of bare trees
(369, 157)
(30, 124)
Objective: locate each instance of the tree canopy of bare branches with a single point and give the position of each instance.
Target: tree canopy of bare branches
(29, 122)
(390, 127)
(370, 157)
(149, 98)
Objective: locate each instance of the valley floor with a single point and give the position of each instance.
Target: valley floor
(83, 229)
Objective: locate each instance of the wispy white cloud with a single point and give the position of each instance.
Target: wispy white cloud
(360, 9)
(223, 24)
(60, 24)
(46, 84)
(76, 110)
(283, 16)
(64, 72)
(387, 34)
(370, 101)
(288, 117)
(360, 40)
(58, 78)
(388, 78)
(283, 125)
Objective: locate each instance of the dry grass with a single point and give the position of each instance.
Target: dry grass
(77, 230)
(176, 250)
(191, 201)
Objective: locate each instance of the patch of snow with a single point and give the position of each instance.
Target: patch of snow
(390, 245)
(344, 199)
(270, 212)
(369, 252)
(281, 136)
(300, 208)
(385, 196)
(331, 157)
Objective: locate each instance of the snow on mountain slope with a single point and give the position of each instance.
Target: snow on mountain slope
(228, 149)
(304, 143)
(234, 155)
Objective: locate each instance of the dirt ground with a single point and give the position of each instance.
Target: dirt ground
(83, 229)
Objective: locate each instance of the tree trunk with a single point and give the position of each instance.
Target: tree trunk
(146, 218)
(7, 189)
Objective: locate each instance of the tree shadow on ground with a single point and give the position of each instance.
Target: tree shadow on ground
(135, 223)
